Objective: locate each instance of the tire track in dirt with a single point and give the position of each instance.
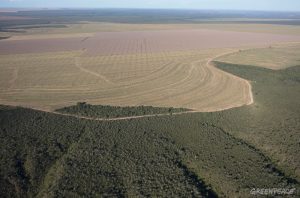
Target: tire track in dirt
(112, 119)
(79, 66)
(205, 83)
(248, 91)
(14, 77)
(193, 83)
(222, 90)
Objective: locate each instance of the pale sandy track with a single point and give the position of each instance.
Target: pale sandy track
(14, 77)
(248, 90)
(112, 119)
(79, 66)
(123, 118)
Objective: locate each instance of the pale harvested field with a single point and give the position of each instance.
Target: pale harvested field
(254, 28)
(176, 40)
(139, 42)
(180, 79)
(39, 45)
(158, 68)
(88, 27)
(49, 36)
(273, 57)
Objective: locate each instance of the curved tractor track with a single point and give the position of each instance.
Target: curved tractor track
(198, 85)
(193, 83)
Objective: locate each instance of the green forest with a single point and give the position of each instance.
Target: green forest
(105, 111)
(219, 154)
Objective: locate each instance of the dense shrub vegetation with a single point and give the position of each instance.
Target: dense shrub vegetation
(101, 111)
(190, 155)
(62, 156)
(3, 37)
(272, 123)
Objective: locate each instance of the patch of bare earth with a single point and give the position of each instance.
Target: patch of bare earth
(174, 79)
(158, 68)
(273, 57)
(112, 43)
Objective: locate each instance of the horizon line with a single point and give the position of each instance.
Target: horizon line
(141, 8)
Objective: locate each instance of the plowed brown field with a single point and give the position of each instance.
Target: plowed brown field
(116, 43)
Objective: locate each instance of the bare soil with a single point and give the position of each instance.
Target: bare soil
(136, 42)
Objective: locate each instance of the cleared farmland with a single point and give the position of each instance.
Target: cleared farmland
(273, 57)
(92, 27)
(111, 133)
(155, 68)
(180, 79)
(135, 42)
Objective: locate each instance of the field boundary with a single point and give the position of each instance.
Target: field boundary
(210, 63)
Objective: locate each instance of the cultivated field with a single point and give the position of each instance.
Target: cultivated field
(272, 57)
(179, 79)
(157, 68)
(136, 42)
(29, 31)
(103, 78)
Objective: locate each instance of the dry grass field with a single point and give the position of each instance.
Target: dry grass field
(109, 43)
(180, 79)
(49, 36)
(93, 27)
(158, 68)
(273, 57)
(135, 42)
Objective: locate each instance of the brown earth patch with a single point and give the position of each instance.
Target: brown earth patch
(138, 42)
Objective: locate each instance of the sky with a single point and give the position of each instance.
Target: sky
(268, 5)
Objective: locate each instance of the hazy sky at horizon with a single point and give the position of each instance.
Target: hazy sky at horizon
(272, 5)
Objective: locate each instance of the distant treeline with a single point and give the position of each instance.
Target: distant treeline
(3, 37)
(22, 28)
(105, 111)
(150, 16)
